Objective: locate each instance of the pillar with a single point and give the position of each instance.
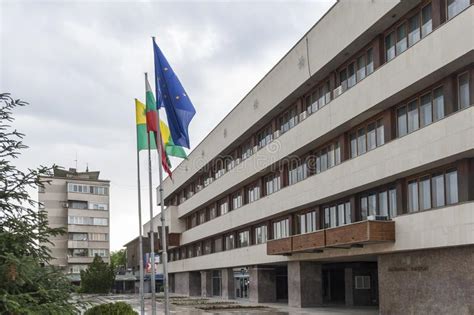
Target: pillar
(349, 286)
(206, 283)
(305, 285)
(228, 290)
(262, 284)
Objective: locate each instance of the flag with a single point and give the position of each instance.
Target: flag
(172, 96)
(170, 148)
(152, 126)
(142, 138)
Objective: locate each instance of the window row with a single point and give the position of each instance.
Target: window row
(87, 189)
(406, 32)
(88, 252)
(87, 221)
(88, 237)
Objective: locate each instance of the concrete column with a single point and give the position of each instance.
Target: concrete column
(188, 283)
(262, 284)
(305, 285)
(349, 286)
(206, 283)
(228, 290)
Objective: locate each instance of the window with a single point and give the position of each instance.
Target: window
(216, 282)
(281, 229)
(413, 122)
(414, 29)
(297, 173)
(437, 185)
(402, 121)
(438, 104)
(207, 247)
(99, 190)
(390, 46)
(324, 95)
(367, 139)
(413, 196)
(217, 245)
(212, 212)
(78, 236)
(190, 250)
(202, 217)
(98, 237)
(426, 21)
(246, 150)
(265, 136)
(425, 193)
(370, 61)
(198, 249)
(362, 282)
(312, 103)
(380, 203)
(98, 206)
(98, 252)
(223, 207)
(261, 234)
(361, 71)
(272, 183)
(236, 201)
(401, 39)
(371, 137)
(307, 222)
(463, 91)
(451, 187)
(343, 79)
(253, 192)
(229, 242)
(337, 215)
(288, 120)
(78, 268)
(328, 157)
(99, 221)
(78, 252)
(351, 80)
(433, 191)
(456, 6)
(426, 115)
(243, 239)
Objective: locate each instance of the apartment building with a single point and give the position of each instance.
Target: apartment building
(79, 203)
(346, 175)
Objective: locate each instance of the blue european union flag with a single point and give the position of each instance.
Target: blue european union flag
(171, 94)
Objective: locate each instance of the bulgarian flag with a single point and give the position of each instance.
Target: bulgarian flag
(152, 126)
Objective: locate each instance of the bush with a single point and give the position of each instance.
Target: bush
(118, 308)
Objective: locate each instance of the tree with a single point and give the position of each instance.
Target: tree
(118, 258)
(28, 284)
(99, 277)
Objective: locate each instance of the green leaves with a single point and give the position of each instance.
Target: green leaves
(99, 277)
(28, 285)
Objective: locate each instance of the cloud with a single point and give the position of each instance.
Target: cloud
(80, 64)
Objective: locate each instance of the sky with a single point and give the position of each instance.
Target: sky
(80, 64)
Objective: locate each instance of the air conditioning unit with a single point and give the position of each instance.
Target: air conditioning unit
(65, 205)
(276, 134)
(338, 91)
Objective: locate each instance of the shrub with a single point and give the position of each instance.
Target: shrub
(118, 308)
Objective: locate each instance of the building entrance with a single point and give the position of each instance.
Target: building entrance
(282, 284)
(241, 283)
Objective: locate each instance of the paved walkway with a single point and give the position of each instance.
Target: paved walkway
(271, 308)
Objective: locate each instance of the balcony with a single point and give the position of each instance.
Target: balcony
(282, 246)
(359, 233)
(309, 242)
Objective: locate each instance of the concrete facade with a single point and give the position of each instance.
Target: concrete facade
(87, 227)
(310, 240)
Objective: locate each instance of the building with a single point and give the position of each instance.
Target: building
(79, 203)
(346, 175)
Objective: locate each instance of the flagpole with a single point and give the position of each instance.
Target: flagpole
(152, 236)
(164, 254)
(140, 238)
